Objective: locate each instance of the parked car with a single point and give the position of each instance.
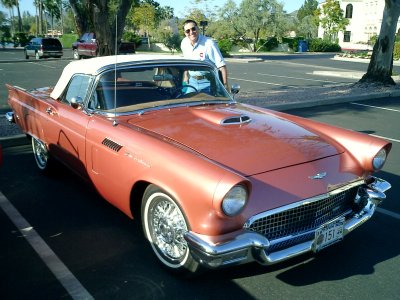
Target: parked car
(86, 46)
(213, 182)
(43, 47)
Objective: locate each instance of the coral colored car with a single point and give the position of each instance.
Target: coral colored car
(213, 181)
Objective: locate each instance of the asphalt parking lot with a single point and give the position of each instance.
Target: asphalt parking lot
(68, 242)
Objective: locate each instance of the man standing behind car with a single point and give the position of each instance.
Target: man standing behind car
(198, 46)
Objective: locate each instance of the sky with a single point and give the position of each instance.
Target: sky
(179, 9)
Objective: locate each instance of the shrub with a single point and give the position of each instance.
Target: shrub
(67, 39)
(129, 36)
(396, 51)
(268, 44)
(20, 39)
(225, 46)
(293, 43)
(320, 45)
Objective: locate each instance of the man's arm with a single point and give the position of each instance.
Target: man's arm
(224, 73)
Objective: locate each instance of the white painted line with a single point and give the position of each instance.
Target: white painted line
(42, 65)
(389, 213)
(305, 79)
(385, 138)
(74, 288)
(263, 82)
(377, 107)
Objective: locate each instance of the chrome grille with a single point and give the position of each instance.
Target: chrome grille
(296, 224)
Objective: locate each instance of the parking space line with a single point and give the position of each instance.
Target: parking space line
(42, 65)
(263, 82)
(74, 288)
(377, 107)
(388, 213)
(298, 78)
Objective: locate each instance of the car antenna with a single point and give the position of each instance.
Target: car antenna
(115, 123)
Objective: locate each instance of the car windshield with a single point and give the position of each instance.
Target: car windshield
(140, 88)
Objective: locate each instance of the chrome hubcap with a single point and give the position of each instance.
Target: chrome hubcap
(169, 227)
(40, 152)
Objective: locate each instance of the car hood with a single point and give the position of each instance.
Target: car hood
(238, 137)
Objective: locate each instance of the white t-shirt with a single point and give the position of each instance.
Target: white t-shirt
(204, 49)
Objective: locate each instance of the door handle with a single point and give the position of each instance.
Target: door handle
(49, 111)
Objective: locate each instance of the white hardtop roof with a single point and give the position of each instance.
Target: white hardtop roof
(91, 66)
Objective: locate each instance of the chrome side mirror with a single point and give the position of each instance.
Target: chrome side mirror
(235, 89)
(76, 102)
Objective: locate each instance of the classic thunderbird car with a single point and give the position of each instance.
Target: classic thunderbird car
(214, 182)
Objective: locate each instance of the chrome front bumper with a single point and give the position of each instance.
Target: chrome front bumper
(246, 246)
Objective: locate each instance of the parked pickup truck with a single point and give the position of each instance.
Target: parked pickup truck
(86, 46)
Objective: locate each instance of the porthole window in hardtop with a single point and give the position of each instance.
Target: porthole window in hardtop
(78, 87)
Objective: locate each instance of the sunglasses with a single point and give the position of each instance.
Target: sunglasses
(193, 29)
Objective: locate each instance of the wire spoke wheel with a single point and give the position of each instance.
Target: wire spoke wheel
(40, 153)
(164, 225)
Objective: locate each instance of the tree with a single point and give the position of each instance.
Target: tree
(105, 18)
(307, 9)
(308, 27)
(332, 19)
(52, 7)
(144, 16)
(255, 19)
(381, 63)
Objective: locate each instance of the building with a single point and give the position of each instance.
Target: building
(365, 18)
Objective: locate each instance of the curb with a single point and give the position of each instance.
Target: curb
(14, 140)
(333, 100)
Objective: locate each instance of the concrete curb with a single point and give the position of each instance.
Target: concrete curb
(333, 100)
(14, 140)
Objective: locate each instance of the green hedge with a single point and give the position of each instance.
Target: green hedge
(320, 45)
(267, 44)
(225, 46)
(67, 40)
(396, 51)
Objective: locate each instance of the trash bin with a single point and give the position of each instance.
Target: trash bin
(302, 47)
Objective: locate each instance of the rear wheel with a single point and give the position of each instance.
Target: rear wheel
(164, 225)
(41, 154)
(37, 55)
(75, 54)
(26, 55)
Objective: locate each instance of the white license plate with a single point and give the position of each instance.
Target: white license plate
(328, 234)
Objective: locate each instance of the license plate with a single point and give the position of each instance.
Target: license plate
(328, 234)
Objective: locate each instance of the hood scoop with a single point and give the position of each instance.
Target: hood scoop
(222, 117)
(236, 120)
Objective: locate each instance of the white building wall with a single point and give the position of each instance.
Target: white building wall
(365, 23)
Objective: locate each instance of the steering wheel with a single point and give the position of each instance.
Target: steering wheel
(179, 90)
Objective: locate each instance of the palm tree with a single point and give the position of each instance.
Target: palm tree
(10, 5)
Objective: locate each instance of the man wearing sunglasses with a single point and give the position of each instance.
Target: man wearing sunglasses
(198, 46)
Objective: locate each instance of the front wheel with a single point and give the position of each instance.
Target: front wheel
(164, 226)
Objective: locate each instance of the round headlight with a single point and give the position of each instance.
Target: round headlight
(234, 201)
(379, 159)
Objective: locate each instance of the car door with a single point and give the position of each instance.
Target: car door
(92, 44)
(30, 50)
(66, 127)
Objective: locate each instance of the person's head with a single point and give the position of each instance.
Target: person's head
(191, 30)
